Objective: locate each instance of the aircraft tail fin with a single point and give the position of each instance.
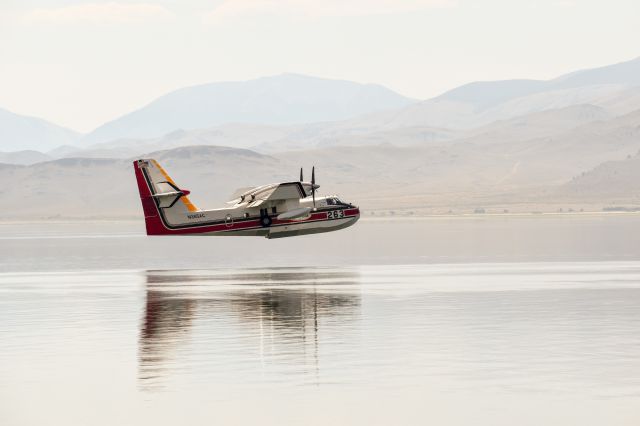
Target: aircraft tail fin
(160, 196)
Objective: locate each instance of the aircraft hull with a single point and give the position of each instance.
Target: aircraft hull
(318, 222)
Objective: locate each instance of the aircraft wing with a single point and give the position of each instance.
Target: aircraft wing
(275, 192)
(283, 191)
(272, 192)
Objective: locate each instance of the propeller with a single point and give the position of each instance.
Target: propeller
(301, 178)
(313, 185)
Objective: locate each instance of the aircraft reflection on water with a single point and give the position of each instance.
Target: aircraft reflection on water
(262, 312)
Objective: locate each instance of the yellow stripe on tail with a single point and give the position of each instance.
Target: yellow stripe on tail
(185, 199)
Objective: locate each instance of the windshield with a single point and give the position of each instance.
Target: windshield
(335, 201)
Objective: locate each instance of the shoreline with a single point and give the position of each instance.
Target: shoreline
(366, 218)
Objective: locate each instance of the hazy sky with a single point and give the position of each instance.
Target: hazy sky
(81, 63)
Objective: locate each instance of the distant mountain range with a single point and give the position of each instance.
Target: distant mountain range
(24, 157)
(21, 132)
(483, 95)
(357, 132)
(476, 104)
(282, 100)
(332, 109)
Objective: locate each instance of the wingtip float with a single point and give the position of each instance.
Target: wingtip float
(275, 210)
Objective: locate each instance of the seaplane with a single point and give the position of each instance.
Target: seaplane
(275, 210)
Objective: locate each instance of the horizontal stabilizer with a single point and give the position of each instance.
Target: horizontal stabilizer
(166, 200)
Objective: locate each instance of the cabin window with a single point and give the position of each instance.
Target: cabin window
(273, 210)
(330, 201)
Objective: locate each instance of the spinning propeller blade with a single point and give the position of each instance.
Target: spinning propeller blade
(313, 185)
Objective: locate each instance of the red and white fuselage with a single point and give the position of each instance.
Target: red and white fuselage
(273, 211)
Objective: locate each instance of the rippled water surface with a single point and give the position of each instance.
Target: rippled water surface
(119, 340)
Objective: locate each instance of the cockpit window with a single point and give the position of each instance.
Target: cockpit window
(331, 201)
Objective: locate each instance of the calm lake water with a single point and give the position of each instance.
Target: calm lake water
(512, 320)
